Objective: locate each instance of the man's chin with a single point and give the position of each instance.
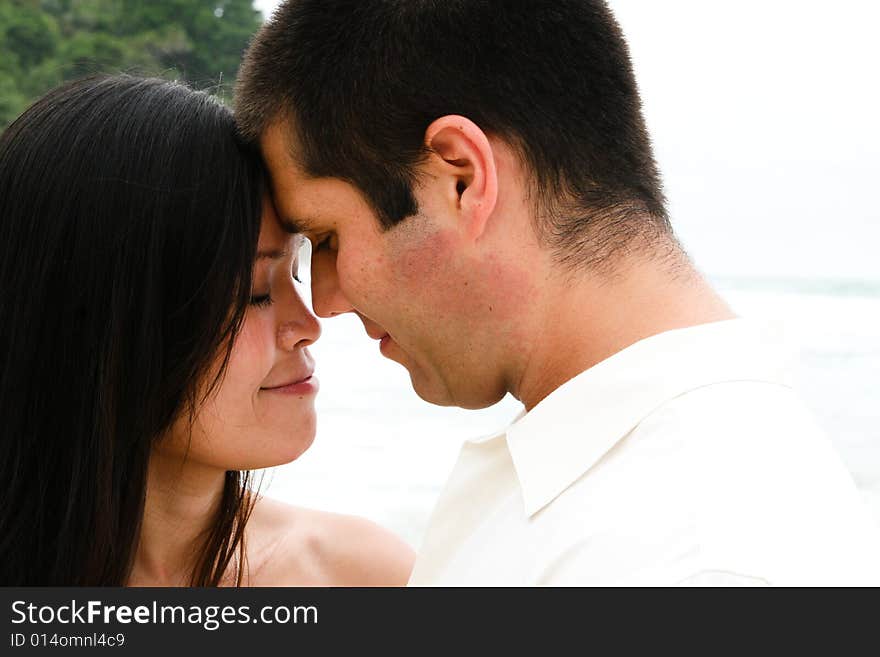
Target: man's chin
(433, 389)
(428, 388)
(439, 394)
(432, 398)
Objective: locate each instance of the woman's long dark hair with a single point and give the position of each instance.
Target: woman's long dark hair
(129, 219)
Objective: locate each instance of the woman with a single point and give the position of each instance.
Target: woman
(153, 349)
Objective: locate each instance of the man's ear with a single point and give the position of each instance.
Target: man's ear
(465, 168)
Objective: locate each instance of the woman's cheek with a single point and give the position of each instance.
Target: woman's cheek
(253, 353)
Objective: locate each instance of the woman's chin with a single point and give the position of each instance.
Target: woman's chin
(298, 449)
(282, 450)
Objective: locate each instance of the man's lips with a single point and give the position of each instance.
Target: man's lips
(384, 345)
(384, 339)
(377, 333)
(374, 330)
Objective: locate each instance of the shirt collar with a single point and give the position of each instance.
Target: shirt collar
(571, 429)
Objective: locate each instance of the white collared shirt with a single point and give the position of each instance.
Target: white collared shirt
(685, 458)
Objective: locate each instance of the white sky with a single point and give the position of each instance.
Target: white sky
(763, 115)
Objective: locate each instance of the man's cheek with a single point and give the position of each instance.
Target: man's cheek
(426, 251)
(428, 265)
(361, 281)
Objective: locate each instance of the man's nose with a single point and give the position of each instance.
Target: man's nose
(328, 299)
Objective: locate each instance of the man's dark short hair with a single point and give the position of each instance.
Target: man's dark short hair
(359, 82)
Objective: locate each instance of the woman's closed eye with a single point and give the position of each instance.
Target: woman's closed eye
(261, 300)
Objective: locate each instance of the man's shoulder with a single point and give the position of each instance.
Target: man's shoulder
(726, 434)
(724, 458)
(732, 482)
(752, 410)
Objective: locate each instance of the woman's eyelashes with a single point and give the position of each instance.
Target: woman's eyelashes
(261, 300)
(266, 278)
(264, 300)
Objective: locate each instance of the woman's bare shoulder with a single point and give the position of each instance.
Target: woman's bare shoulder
(296, 546)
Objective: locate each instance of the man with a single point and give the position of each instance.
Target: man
(479, 188)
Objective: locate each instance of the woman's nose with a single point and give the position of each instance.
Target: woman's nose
(299, 329)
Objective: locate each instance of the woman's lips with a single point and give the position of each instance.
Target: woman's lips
(306, 386)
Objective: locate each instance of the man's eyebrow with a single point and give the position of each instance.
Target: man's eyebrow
(292, 225)
(271, 254)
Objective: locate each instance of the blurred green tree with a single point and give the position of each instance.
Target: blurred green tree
(45, 42)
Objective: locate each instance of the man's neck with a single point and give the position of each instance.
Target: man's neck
(588, 319)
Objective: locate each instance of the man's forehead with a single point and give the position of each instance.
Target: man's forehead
(287, 176)
(280, 144)
(305, 203)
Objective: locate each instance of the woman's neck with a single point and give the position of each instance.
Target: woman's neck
(181, 502)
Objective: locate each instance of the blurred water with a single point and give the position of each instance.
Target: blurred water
(383, 453)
